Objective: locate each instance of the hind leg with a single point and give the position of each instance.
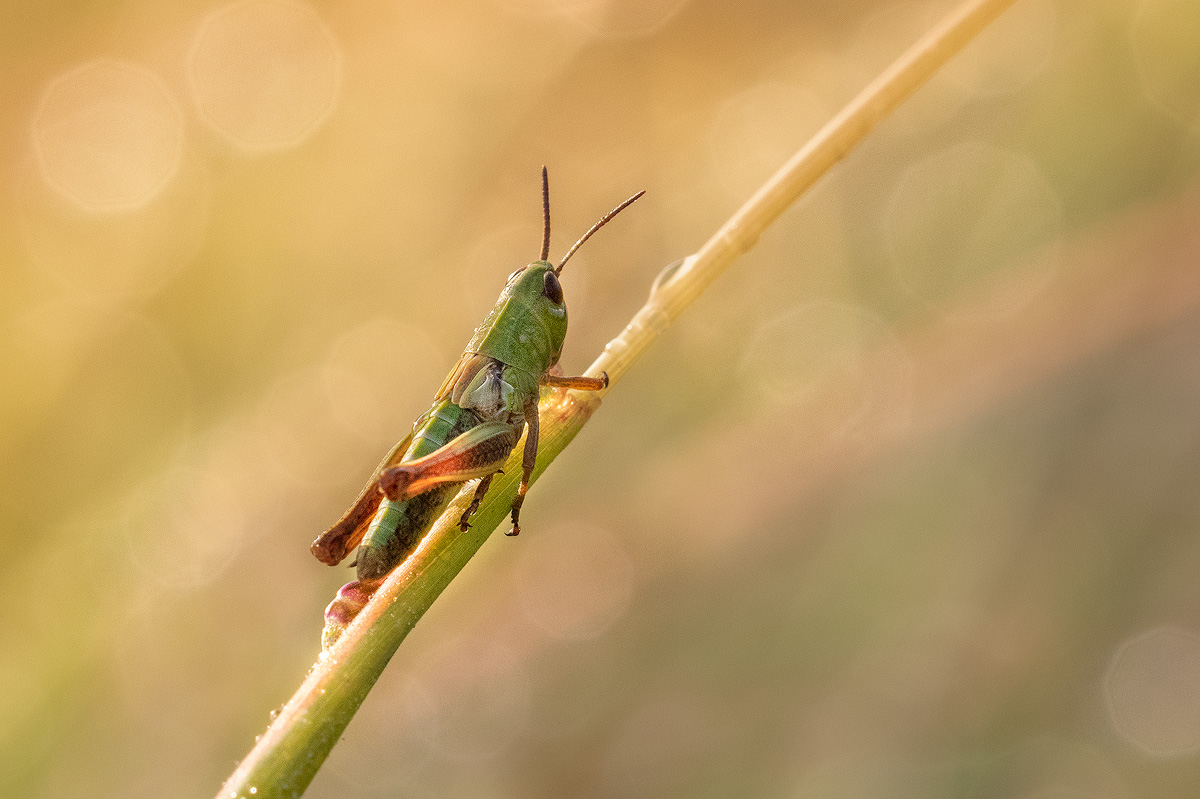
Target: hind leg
(476, 453)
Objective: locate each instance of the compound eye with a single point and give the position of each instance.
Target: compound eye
(514, 274)
(552, 289)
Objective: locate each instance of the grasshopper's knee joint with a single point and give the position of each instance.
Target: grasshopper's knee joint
(323, 553)
(604, 377)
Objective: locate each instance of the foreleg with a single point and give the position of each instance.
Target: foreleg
(584, 383)
(528, 462)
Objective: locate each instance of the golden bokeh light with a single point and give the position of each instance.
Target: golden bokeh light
(1164, 44)
(108, 135)
(265, 73)
(375, 372)
(959, 219)
(1153, 691)
(118, 255)
(610, 18)
(184, 528)
(832, 362)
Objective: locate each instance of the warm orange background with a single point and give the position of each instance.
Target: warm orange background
(905, 506)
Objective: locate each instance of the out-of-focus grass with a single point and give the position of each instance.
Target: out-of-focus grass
(196, 385)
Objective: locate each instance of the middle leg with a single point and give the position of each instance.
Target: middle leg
(464, 523)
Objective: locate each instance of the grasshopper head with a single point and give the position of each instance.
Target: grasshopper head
(527, 327)
(533, 300)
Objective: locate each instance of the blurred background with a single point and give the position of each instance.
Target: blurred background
(905, 506)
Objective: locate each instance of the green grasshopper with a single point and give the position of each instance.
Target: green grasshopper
(478, 415)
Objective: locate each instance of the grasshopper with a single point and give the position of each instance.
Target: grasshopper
(489, 398)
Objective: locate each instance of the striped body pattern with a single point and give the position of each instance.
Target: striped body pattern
(479, 389)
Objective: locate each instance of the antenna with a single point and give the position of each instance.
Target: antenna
(603, 221)
(545, 215)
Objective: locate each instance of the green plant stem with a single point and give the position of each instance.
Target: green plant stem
(287, 756)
